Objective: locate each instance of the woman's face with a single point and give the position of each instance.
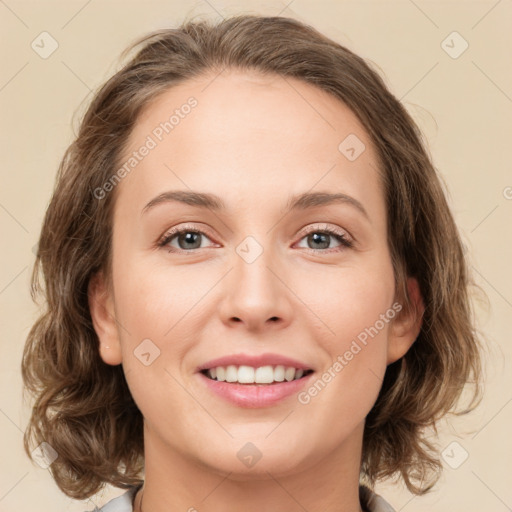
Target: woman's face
(283, 254)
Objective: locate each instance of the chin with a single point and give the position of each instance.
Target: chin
(250, 462)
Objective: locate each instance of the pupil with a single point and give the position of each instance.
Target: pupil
(189, 239)
(316, 237)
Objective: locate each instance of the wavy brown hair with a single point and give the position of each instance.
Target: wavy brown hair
(83, 407)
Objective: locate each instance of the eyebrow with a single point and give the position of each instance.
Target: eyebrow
(213, 202)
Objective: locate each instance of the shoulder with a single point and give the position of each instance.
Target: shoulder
(123, 503)
(373, 502)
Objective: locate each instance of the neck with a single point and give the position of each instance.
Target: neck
(175, 481)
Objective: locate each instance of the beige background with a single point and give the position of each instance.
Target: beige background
(463, 105)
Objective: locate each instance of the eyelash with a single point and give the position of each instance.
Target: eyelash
(338, 235)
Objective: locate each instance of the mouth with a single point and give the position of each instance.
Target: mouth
(268, 375)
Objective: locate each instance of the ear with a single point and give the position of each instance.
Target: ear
(406, 326)
(101, 306)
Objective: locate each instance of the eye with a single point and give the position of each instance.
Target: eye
(187, 239)
(190, 238)
(321, 239)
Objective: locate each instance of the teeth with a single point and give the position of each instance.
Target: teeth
(264, 375)
(231, 374)
(245, 374)
(219, 373)
(249, 375)
(279, 373)
(289, 373)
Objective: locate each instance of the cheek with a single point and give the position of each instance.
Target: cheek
(161, 312)
(155, 310)
(355, 311)
(151, 300)
(346, 301)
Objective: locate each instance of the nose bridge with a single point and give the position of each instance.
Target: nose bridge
(255, 294)
(252, 274)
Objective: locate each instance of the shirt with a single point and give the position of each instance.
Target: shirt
(124, 503)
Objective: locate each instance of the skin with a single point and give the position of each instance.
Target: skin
(253, 141)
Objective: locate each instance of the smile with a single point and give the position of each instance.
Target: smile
(255, 394)
(244, 374)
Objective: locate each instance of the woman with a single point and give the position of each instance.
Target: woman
(257, 294)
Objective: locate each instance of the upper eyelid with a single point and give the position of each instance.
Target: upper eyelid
(324, 227)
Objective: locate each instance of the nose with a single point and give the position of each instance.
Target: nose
(256, 296)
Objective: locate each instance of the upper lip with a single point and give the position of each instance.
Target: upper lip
(254, 360)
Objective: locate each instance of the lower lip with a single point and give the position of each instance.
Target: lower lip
(255, 395)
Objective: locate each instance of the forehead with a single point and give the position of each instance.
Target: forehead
(239, 132)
